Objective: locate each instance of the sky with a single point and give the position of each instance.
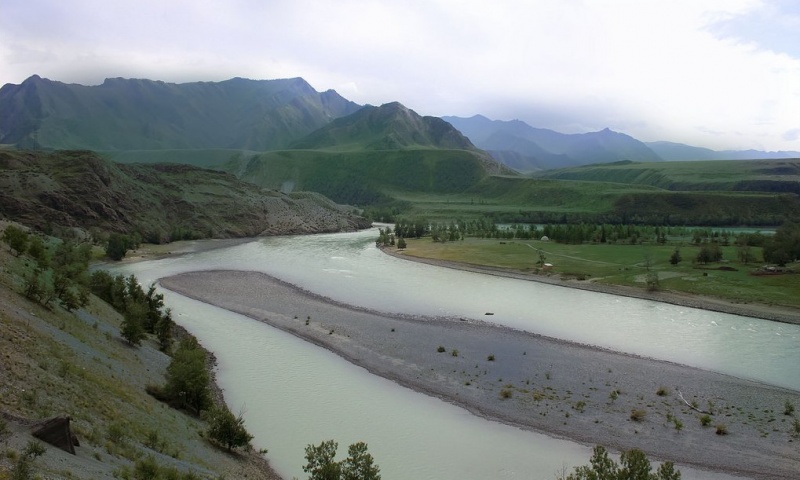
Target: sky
(721, 74)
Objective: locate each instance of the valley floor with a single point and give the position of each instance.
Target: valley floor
(560, 388)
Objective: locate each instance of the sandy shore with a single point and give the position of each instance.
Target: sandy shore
(566, 390)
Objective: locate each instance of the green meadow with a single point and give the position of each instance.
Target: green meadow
(624, 264)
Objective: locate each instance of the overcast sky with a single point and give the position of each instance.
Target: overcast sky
(723, 74)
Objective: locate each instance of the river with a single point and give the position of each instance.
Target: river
(294, 393)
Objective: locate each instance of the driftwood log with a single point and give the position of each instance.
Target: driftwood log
(692, 406)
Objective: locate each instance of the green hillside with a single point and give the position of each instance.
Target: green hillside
(775, 176)
(518, 199)
(363, 177)
(205, 158)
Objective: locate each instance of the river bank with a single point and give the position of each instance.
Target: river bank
(763, 311)
(567, 390)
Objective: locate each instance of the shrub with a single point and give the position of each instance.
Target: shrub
(705, 420)
(227, 429)
(637, 415)
(678, 424)
(490, 357)
(722, 429)
(454, 353)
(441, 349)
(16, 238)
(506, 393)
(788, 408)
(662, 391)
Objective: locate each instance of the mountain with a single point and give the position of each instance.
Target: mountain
(539, 148)
(133, 114)
(79, 189)
(367, 157)
(681, 152)
(391, 126)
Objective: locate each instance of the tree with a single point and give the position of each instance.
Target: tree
(709, 252)
(38, 251)
(16, 238)
(542, 259)
(117, 246)
(359, 464)
(652, 281)
(321, 464)
(227, 429)
(187, 378)
(784, 246)
(163, 330)
(675, 258)
(401, 243)
(634, 465)
(132, 327)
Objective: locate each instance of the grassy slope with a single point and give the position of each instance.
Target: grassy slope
(623, 265)
(513, 198)
(363, 175)
(206, 158)
(727, 175)
(59, 363)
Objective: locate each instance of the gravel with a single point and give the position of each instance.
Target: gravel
(563, 389)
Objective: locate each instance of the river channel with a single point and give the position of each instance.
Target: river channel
(294, 393)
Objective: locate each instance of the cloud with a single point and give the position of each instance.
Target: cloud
(792, 135)
(767, 25)
(649, 68)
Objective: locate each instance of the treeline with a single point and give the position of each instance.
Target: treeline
(566, 233)
(659, 217)
(55, 269)
(143, 312)
(188, 384)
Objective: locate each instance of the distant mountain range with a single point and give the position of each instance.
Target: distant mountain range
(205, 123)
(131, 114)
(681, 152)
(525, 148)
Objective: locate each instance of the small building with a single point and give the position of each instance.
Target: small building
(545, 238)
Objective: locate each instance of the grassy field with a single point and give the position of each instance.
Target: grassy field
(618, 264)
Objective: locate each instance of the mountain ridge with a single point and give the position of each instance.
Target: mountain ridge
(672, 151)
(137, 114)
(391, 126)
(535, 149)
